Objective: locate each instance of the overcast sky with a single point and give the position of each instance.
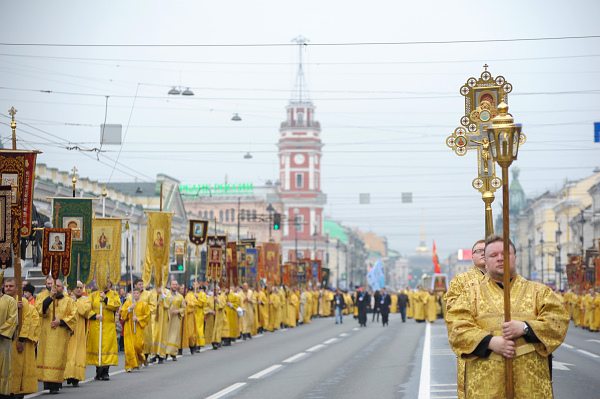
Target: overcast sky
(385, 109)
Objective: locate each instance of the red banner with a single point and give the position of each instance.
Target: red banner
(271, 256)
(56, 248)
(232, 265)
(598, 271)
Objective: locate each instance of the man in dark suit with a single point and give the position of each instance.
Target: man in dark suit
(376, 307)
(385, 301)
(362, 302)
(402, 303)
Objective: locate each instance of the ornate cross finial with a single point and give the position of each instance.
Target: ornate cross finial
(486, 66)
(12, 111)
(74, 170)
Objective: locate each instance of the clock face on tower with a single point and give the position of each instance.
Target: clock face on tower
(299, 159)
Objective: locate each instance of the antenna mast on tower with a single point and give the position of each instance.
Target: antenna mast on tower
(300, 92)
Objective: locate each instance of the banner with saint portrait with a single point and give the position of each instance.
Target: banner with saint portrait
(76, 214)
(316, 270)
(56, 252)
(17, 170)
(271, 256)
(198, 231)
(106, 251)
(216, 245)
(158, 237)
(251, 266)
(232, 263)
(5, 226)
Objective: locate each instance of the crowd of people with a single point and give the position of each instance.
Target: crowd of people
(584, 309)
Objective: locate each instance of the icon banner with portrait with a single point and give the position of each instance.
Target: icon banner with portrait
(17, 170)
(158, 237)
(5, 226)
(76, 214)
(198, 231)
(232, 263)
(56, 252)
(214, 268)
(271, 256)
(106, 251)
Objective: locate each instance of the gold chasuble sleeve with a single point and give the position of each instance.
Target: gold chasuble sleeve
(158, 237)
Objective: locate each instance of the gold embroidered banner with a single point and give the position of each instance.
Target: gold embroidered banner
(5, 226)
(232, 263)
(17, 169)
(106, 251)
(158, 237)
(271, 256)
(56, 252)
(214, 264)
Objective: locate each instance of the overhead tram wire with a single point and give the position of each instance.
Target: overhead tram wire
(225, 45)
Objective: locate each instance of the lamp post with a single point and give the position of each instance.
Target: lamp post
(558, 266)
(270, 209)
(505, 147)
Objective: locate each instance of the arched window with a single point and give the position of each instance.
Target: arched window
(254, 215)
(232, 215)
(212, 215)
(221, 215)
(242, 215)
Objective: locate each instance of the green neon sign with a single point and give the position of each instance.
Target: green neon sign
(194, 190)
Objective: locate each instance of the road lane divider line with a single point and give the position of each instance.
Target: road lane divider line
(315, 348)
(588, 353)
(295, 357)
(356, 329)
(266, 371)
(567, 346)
(227, 390)
(425, 381)
(330, 341)
(344, 335)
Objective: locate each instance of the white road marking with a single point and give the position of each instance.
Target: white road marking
(561, 366)
(45, 391)
(425, 381)
(266, 371)
(344, 335)
(593, 340)
(330, 341)
(315, 348)
(227, 390)
(356, 329)
(295, 357)
(567, 346)
(588, 353)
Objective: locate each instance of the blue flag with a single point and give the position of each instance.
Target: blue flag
(375, 276)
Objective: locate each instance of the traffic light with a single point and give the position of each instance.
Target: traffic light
(178, 266)
(276, 221)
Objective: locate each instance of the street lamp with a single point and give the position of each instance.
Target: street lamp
(505, 138)
(177, 90)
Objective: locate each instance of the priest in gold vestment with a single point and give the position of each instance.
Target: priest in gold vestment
(478, 335)
(161, 325)
(105, 320)
(176, 312)
(200, 305)
(190, 333)
(461, 285)
(248, 300)
(263, 310)
(8, 326)
(215, 313)
(58, 319)
(76, 355)
(419, 300)
(230, 323)
(136, 315)
(149, 297)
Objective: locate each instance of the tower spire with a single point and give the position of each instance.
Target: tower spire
(300, 91)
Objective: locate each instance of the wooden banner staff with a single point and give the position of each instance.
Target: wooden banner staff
(13, 126)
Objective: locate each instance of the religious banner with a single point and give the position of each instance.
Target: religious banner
(590, 275)
(17, 170)
(260, 264)
(301, 271)
(56, 252)
(251, 268)
(5, 226)
(597, 262)
(308, 270)
(285, 274)
(324, 277)
(271, 256)
(106, 251)
(241, 259)
(571, 275)
(198, 231)
(316, 270)
(76, 214)
(232, 263)
(214, 269)
(158, 237)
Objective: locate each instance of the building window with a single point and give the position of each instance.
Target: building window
(242, 215)
(232, 215)
(221, 215)
(299, 180)
(227, 215)
(299, 223)
(212, 215)
(254, 215)
(205, 214)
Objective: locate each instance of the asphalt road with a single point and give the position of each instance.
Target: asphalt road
(325, 360)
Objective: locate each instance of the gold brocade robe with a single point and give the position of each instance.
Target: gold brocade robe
(315, 301)
(273, 312)
(190, 335)
(134, 337)
(588, 301)
(248, 301)
(161, 325)
(432, 305)
(480, 313)
(109, 349)
(150, 298)
(215, 313)
(76, 355)
(420, 304)
(173, 341)
(292, 306)
(308, 308)
(54, 342)
(394, 305)
(230, 323)
(8, 325)
(461, 285)
(575, 308)
(349, 304)
(410, 309)
(24, 378)
(201, 302)
(596, 324)
(263, 309)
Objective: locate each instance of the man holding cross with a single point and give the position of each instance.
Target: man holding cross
(478, 334)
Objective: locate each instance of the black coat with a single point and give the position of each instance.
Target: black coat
(385, 306)
(365, 303)
(402, 301)
(340, 298)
